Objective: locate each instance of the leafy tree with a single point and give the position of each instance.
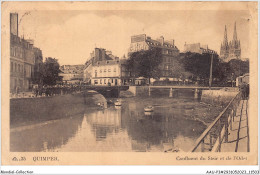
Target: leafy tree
(51, 71)
(145, 63)
(199, 65)
(178, 70)
(238, 67)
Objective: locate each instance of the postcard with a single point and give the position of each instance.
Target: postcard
(129, 83)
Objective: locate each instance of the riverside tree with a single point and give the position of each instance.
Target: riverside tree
(50, 71)
(199, 65)
(223, 72)
(145, 63)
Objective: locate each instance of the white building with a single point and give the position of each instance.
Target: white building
(106, 72)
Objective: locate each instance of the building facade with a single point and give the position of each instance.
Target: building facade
(196, 48)
(230, 50)
(169, 51)
(38, 65)
(106, 72)
(105, 69)
(72, 73)
(98, 55)
(23, 59)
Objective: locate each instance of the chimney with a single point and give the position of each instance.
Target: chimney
(172, 42)
(161, 40)
(103, 54)
(97, 54)
(14, 23)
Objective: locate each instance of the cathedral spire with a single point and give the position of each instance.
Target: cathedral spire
(235, 33)
(225, 37)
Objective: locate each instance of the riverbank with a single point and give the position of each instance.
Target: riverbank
(25, 111)
(219, 97)
(189, 109)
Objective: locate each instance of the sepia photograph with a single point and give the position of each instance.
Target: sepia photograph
(168, 80)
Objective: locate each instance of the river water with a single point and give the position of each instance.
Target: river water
(175, 124)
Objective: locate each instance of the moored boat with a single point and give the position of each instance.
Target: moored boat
(149, 109)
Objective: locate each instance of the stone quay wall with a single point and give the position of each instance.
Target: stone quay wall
(29, 110)
(139, 90)
(219, 97)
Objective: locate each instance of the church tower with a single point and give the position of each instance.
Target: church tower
(235, 50)
(230, 50)
(224, 49)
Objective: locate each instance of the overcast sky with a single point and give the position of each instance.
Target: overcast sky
(70, 36)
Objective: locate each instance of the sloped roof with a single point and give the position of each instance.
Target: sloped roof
(106, 62)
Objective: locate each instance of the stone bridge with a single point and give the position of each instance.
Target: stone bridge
(108, 91)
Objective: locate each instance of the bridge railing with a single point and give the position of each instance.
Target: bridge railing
(217, 132)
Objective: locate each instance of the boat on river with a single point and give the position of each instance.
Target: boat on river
(149, 109)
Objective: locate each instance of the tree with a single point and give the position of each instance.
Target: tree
(50, 71)
(178, 70)
(145, 63)
(238, 67)
(199, 65)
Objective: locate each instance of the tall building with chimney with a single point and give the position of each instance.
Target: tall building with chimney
(169, 50)
(25, 59)
(230, 50)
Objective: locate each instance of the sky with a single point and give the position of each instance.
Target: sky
(70, 36)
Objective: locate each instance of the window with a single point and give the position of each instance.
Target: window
(12, 54)
(19, 70)
(15, 69)
(100, 71)
(12, 69)
(105, 81)
(105, 70)
(114, 69)
(109, 70)
(112, 80)
(100, 81)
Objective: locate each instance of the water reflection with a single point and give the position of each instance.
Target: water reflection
(121, 129)
(104, 122)
(45, 136)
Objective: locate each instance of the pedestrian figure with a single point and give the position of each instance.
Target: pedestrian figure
(35, 90)
(17, 90)
(243, 90)
(40, 91)
(247, 91)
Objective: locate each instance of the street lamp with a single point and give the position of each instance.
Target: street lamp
(211, 63)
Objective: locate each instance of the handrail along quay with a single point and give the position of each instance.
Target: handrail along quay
(212, 138)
